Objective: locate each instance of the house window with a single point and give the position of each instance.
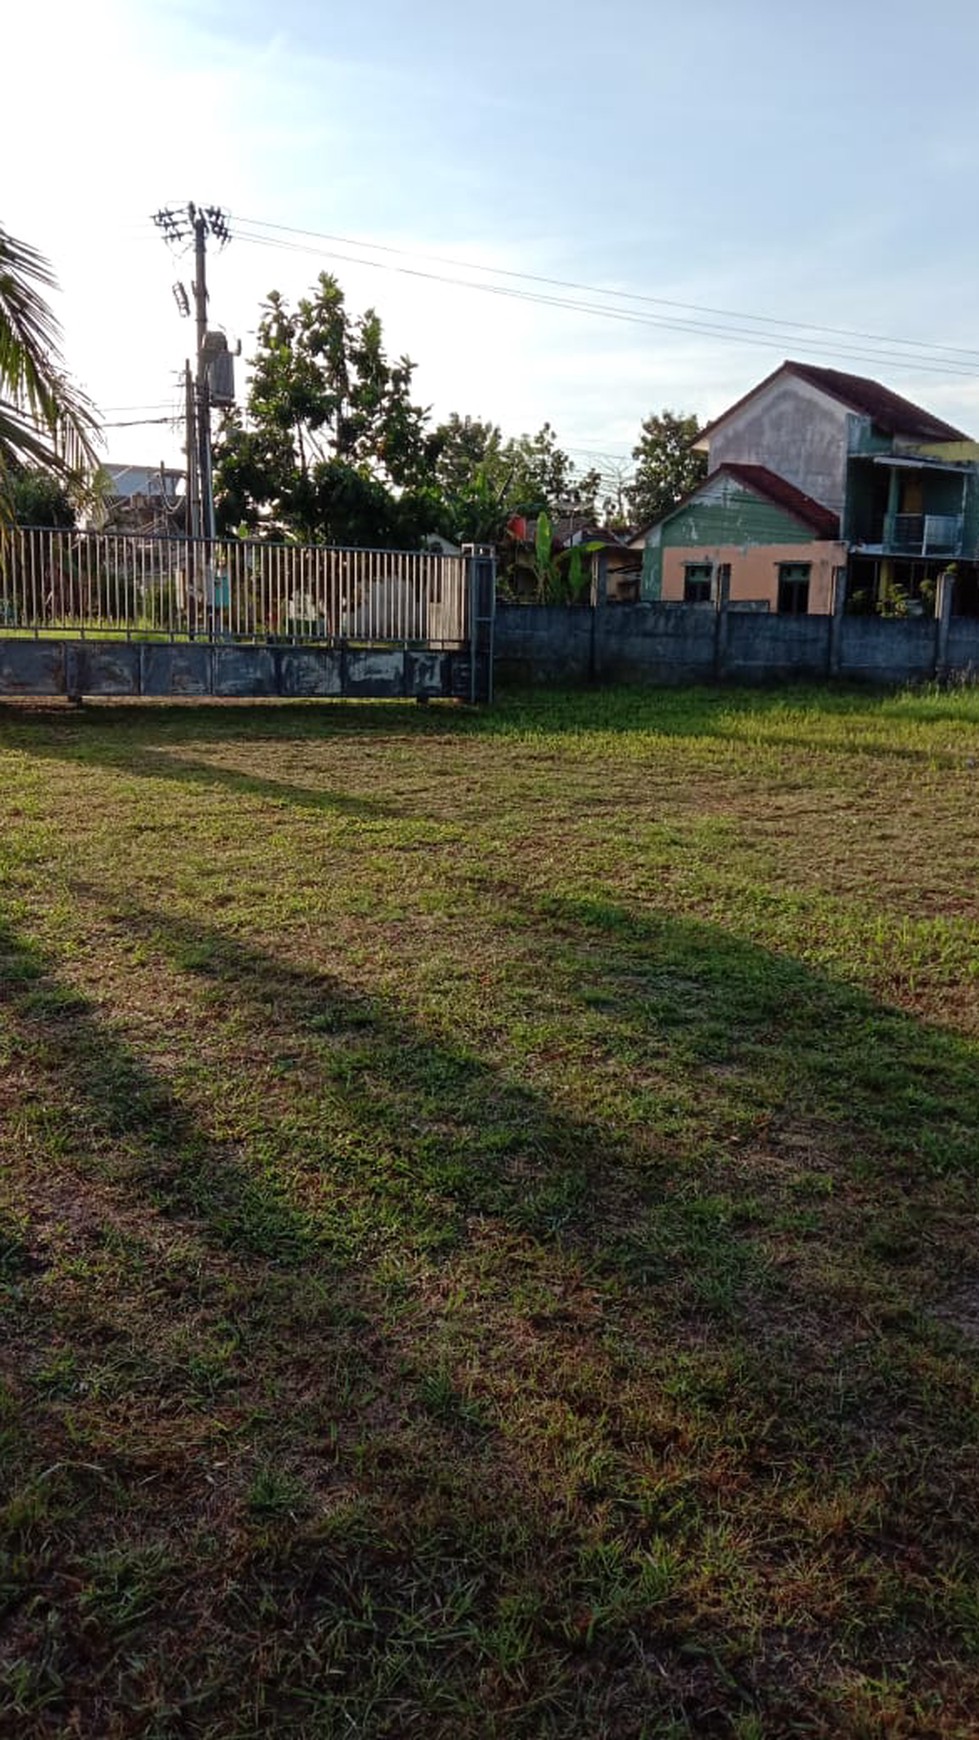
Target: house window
(793, 588)
(697, 581)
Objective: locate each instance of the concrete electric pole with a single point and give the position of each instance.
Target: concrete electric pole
(181, 225)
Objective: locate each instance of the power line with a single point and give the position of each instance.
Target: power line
(144, 422)
(784, 324)
(768, 341)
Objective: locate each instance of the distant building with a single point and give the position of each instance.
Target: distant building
(816, 470)
(143, 498)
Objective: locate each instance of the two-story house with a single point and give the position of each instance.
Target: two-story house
(812, 471)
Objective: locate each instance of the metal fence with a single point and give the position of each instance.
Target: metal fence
(114, 584)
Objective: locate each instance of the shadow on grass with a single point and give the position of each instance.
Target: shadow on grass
(702, 1043)
(93, 1085)
(148, 761)
(447, 1578)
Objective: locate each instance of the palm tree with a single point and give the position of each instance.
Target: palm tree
(45, 421)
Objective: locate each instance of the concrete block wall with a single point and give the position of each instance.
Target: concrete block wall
(664, 643)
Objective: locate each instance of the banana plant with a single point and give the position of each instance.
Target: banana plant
(559, 577)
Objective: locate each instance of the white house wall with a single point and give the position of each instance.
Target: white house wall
(795, 430)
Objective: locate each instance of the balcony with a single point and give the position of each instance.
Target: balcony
(923, 534)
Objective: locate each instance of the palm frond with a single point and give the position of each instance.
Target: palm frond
(44, 419)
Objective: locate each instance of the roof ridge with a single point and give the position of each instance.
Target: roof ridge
(891, 412)
(784, 494)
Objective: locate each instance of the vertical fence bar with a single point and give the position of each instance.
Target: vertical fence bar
(81, 581)
(37, 558)
(89, 591)
(32, 609)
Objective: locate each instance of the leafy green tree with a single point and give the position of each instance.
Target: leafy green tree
(39, 498)
(470, 480)
(485, 480)
(331, 446)
(461, 448)
(44, 420)
(667, 467)
(541, 473)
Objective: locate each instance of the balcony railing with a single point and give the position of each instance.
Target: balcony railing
(924, 534)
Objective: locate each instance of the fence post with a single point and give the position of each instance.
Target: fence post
(481, 563)
(835, 654)
(598, 598)
(944, 596)
(722, 599)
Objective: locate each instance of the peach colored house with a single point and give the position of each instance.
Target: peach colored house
(774, 547)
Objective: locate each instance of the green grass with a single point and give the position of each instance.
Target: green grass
(488, 1218)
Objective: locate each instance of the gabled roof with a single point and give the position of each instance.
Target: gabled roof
(888, 411)
(777, 489)
(819, 520)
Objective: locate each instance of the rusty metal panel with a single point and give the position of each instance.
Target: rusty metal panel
(102, 668)
(375, 671)
(426, 673)
(244, 671)
(32, 667)
(182, 669)
(460, 677)
(310, 671)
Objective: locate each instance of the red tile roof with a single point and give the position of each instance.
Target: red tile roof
(887, 410)
(777, 489)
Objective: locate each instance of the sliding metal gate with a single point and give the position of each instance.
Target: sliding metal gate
(89, 613)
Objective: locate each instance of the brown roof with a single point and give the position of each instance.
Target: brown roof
(887, 410)
(819, 519)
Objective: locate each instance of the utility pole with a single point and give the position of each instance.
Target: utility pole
(180, 225)
(193, 493)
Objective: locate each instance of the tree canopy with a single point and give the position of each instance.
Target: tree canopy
(332, 447)
(667, 467)
(39, 498)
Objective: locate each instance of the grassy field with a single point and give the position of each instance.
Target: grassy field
(488, 1219)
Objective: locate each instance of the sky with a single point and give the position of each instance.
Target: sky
(803, 164)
